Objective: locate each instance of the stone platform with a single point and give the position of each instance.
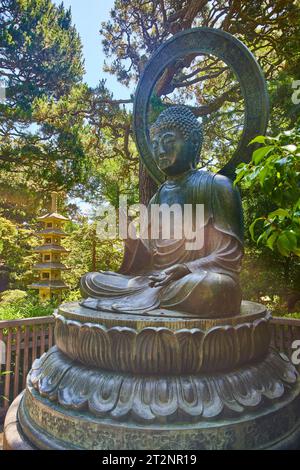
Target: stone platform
(159, 381)
(278, 429)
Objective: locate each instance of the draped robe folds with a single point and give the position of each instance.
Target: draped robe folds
(211, 286)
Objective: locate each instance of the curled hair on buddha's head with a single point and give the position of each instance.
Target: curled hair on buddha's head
(182, 119)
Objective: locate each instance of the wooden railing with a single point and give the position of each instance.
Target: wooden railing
(24, 340)
(27, 339)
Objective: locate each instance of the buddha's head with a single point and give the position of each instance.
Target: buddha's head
(176, 139)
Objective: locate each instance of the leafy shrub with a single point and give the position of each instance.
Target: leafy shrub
(28, 307)
(12, 297)
(73, 295)
(275, 170)
(293, 315)
(263, 279)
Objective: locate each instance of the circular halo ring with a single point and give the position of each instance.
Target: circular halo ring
(240, 60)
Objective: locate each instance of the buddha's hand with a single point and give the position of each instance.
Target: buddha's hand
(168, 275)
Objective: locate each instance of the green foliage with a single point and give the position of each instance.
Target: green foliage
(41, 61)
(275, 171)
(16, 243)
(40, 36)
(55, 132)
(268, 278)
(8, 234)
(20, 201)
(15, 297)
(293, 315)
(12, 306)
(88, 253)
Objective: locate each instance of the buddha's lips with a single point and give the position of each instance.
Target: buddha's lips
(165, 160)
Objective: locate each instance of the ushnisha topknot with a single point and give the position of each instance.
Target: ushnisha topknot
(181, 118)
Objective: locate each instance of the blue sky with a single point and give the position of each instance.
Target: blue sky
(87, 15)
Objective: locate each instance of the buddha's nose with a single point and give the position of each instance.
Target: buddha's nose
(161, 150)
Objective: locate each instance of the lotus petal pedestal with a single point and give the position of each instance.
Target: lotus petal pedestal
(158, 381)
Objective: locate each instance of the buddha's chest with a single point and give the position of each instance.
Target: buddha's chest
(179, 194)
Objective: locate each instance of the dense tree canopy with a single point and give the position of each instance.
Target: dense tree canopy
(55, 132)
(40, 59)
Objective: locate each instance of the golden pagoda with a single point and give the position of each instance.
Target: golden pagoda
(50, 266)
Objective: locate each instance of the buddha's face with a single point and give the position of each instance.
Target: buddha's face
(173, 153)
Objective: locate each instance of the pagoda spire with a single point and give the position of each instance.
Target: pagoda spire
(54, 201)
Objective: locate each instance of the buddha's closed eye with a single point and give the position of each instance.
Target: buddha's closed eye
(168, 142)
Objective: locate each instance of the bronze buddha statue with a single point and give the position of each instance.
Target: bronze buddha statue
(163, 355)
(163, 274)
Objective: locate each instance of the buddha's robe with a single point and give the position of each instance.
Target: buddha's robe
(211, 287)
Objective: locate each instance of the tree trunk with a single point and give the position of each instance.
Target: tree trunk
(287, 266)
(147, 186)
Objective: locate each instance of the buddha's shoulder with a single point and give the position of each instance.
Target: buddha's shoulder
(223, 181)
(216, 179)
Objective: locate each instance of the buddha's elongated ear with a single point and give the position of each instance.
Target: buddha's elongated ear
(195, 138)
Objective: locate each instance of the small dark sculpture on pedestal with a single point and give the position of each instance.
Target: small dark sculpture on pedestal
(164, 355)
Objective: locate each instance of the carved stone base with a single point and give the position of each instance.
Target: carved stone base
(13, 437)
(158, 382)
(162, 343)
(160, 399)
(49, 426)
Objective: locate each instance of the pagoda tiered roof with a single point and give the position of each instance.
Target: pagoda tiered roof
(50, 266)
(51, 249)
(51, 216)
(52, 231)
(48, 284)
